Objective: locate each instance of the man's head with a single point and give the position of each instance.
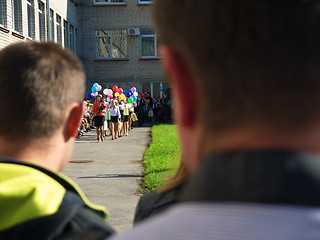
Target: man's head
(248, 63)
(42, 88)
(39, 82)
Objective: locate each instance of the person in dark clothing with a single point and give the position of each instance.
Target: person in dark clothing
(157, 201)
(36, 200)
(246, 90)
(140, 109)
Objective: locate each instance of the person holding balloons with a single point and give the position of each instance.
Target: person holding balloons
(99, 110)
(121, 123)
(115, 115)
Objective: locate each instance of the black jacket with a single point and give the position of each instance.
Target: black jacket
(64, 212)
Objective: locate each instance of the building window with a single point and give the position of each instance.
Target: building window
(42, 21)
(145, 1)
(58, 29)
(17, 15)
(66, 34)
(71, 38)
(30, 16)
(148, 43)
(112, 44)
(109, 2)
(51, 31)
(3, 13)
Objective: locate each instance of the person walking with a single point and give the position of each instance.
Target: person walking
(99, 110)
(115, 116)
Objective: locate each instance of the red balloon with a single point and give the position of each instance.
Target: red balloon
(114, 88)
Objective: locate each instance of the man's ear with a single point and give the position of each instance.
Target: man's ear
(74, 120)
(183, 86)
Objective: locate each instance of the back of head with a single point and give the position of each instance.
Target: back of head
(39, 82)
(254, 61)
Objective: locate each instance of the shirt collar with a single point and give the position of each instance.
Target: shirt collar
(257, 176)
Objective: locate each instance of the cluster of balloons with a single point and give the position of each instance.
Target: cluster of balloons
(131, 94)
(96, 87)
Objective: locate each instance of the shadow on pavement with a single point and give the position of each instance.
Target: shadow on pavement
(115, 176)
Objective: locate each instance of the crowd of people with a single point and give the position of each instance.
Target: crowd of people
(116, 116)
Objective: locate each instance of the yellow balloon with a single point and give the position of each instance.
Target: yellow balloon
(122, 96)
(116, 94)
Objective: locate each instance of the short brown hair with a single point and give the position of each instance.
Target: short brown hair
(38, 82)
(256, 61)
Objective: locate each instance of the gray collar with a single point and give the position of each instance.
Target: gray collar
(273, 177)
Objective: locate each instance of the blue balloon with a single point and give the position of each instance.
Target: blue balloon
(128, 94)
(94, 89)
(125, 92)
(89, 95)
(108, 99)
(96, 85)
(134, 98)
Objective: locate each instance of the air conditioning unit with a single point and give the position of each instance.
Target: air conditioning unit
(133, 31)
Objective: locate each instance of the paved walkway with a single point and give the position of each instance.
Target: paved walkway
(110, 176)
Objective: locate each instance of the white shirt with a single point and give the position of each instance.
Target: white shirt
(121, 106)
(114, 111)
(229, 221)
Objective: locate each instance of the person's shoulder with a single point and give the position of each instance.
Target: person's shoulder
(202, 220)
(70, 222)
(153, 203)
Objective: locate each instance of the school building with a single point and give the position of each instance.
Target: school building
(113, 38)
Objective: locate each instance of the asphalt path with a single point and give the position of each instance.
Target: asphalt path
(109, 172)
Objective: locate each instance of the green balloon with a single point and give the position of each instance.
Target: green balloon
(130, 100)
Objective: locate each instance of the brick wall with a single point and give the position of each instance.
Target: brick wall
(125, 74)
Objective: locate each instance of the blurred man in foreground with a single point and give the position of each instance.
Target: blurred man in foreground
(42, 89)
(245, 77)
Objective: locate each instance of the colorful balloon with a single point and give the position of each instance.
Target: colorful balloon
(94, 89)
(130, 100)
(94, 94)
(133, 89)
(128, 94)
(116, 94)
(134, 98)
(122, 96)
(110, 92)
(114, 88)
(120, 90)
(105, 92)
(99, 88)
(89, 95)
(135, 94)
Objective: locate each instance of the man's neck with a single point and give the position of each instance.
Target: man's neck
(254, 139)
(44, 153)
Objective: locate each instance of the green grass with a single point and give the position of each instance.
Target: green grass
(162, 157)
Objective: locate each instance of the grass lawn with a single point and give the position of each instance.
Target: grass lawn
(162, 157)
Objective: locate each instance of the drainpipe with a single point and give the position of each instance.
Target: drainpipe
(48, 21)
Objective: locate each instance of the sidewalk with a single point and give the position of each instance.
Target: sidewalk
(108, 172)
